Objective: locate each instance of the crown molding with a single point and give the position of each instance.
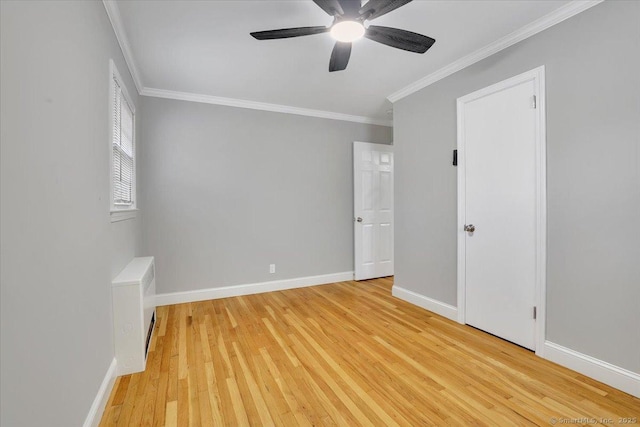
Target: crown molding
(118, 28)
(113, 12)
(254, 105)
(549, 20)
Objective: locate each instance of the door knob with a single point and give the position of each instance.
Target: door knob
(359, 219)
(470, 228)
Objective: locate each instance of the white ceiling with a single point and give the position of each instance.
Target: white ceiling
(204, 47)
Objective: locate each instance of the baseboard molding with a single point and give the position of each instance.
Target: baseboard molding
(252, 288)
(605, 372)
(438, 307)
(100, 402)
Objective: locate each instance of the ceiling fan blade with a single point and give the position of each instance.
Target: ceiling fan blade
(400, 39)
(340, 56)
(332, 7)
(286, 33)
(375, 8)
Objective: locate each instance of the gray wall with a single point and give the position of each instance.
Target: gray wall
(593, 179)
(228, 191)
(59, 250)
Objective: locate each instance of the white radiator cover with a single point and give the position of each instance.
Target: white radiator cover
(133, 292)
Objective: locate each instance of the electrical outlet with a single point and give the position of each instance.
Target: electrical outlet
(272, 268)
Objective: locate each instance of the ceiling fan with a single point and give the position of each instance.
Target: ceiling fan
(348, 25)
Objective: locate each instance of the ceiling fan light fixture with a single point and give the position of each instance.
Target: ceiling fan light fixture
(347, 31)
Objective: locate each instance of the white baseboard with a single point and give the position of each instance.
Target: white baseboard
(100, 402)
(252, 288)
(445, 310)
(605, 372)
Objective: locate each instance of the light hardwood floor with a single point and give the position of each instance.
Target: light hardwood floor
(344, 354)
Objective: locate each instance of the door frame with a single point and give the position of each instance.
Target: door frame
(536, 75)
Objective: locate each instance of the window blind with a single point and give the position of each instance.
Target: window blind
(122, 149)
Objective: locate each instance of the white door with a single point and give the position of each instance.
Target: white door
(373, 209)
(502, 196)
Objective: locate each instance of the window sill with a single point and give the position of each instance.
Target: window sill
(123, 214)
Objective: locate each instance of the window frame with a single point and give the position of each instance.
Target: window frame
(121, 212)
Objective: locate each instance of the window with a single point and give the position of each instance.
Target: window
(123, 150)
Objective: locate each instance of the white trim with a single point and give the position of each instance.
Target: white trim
(562, 13)
(123, 215)
(100, 402)
(462, 190)
(113, 72)
(251, 288)
(605, 372)
(438, 307)
(113, 12)
(254, 105)
(537, 76)
(540, 86)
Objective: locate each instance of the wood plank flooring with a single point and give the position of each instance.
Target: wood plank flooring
(344, 354)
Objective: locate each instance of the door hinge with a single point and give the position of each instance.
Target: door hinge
(455, 157)
(535, 313)
(534, 103)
